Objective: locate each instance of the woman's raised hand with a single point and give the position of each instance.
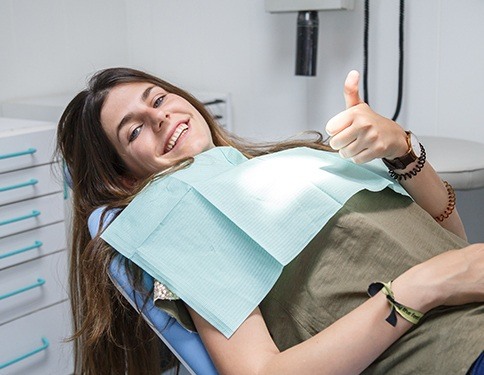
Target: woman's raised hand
(360, 133)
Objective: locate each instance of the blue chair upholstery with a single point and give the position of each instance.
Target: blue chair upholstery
(185, 345)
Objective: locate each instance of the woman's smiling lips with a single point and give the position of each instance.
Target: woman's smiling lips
(180, 129)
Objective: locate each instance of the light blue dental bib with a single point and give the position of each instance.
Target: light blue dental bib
(219, 232)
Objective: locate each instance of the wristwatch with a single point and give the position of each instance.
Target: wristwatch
(413, 153)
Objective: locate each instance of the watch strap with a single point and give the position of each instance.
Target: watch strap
(403, 161)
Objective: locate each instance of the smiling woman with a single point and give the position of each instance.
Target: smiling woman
(313, 315)
(151, 128)
(100, 141)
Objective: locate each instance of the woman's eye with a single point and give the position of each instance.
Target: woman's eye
(134, 134)
(158, 101)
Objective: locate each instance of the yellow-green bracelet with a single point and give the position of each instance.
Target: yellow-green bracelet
(409, 314)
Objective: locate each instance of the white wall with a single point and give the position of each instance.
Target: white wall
(51, 46)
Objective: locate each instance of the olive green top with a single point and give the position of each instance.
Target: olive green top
(374, 237)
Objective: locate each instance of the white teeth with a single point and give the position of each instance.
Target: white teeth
(178, 131)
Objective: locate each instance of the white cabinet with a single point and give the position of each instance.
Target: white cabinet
(40, 333)
(34, 306)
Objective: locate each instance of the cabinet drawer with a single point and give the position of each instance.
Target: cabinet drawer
(32, 213)
(28, 183)
(32, 244)
(25, 144)
(24, 336)
(33, 285)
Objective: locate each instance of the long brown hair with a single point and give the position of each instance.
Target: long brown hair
(109, 336)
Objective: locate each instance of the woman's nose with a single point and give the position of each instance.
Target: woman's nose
(158, 118)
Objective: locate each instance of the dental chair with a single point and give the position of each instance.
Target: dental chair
(185, 345)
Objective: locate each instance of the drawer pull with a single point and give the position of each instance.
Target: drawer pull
(20, 218)
(20, 153)
(36, 245)
(40, 282)
(32, 182)
(45, 345)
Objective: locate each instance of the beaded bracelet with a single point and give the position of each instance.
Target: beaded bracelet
(450, 204)
(420, 163)
(409, 314)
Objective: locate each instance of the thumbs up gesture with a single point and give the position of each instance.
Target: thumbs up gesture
(360, 133)
(351, 93)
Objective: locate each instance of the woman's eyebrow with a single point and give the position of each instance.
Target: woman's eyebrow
(130, 115)
(146, 93)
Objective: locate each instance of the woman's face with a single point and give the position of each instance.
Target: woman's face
(151, 129)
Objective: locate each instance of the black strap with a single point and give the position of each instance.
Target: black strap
(400, 60)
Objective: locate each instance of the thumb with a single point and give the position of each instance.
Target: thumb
(351, 93)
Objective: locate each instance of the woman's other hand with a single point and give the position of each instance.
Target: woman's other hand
(360, 133)
(455, 277)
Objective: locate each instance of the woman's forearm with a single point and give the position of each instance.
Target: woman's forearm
(428, 191)
(346, 347)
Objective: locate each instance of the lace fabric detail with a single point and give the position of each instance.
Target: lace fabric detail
(161, 292)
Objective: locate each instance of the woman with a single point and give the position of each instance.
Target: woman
(128, 126)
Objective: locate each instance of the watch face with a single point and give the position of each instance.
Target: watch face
(415, 145)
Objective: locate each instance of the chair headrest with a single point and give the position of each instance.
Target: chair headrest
(94, 220)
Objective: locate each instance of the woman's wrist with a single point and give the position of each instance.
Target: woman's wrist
(401, 146)
(396, 308)
(410, 163)
(417, 289)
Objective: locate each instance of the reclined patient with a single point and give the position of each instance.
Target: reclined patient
(270, 247)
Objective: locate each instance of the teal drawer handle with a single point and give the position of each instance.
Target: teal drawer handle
(36, 245)
(31, 182)
(20, 218)
(29, 151)
(40, 282)
(45, 345)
